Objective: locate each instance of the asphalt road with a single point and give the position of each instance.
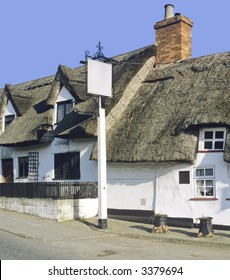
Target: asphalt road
(108, 247)
(13, 247)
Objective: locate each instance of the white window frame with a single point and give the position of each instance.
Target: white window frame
(213, 140)
(203, 182)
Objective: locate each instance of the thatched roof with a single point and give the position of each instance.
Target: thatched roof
(72, 126)
(123, 73)
(33, 118)
(34, 101)
(73, 79)
(154, 115)
(162, 120)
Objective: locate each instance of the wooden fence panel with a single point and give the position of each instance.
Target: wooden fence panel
(54, 190)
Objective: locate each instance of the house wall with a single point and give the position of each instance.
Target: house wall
(156, 187)
(131, 186)
(46, 152)
(177, 200)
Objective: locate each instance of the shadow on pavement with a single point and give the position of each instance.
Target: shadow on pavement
(184, 232)
(143, 228)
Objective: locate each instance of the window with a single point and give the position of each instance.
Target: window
(212, 139)
(8, 120)
(23, 167)
(204, 182)
(67, 166)
(63, 108)
(184, 177)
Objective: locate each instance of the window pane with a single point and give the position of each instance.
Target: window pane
(208, 145)
(200, 191)
(199, 172)
(209, 191)
(209, 172)
(60, 112)
(219, 145)
(8, 120)
(200, 183)
(23, 166)
(219, 135)
(209, 182)
(184, 177)
(58, 169)
(69, 106)
(208, 135)
(67, 165)
(75, 165)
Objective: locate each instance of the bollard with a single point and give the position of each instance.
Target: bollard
(206, 228)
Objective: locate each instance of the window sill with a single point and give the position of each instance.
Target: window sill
(204, 199)
(65, 179)
(210, 151)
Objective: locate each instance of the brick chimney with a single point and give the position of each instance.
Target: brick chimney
(173, 37)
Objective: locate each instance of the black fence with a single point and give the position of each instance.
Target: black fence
(54, 190)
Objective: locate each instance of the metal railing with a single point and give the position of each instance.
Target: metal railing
(53, 190)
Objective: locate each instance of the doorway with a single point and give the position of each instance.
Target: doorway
(7, 170)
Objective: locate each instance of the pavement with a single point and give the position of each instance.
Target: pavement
(37, 228)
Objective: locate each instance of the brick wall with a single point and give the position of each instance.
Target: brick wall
(173, 39)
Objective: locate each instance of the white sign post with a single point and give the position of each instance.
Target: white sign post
(99, 83)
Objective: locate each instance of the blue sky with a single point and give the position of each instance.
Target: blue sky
(38, 35)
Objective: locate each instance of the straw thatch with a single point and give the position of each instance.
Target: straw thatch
(73, 79)
(33, 119)
(154, 116)
(162, 121)
(34, 102)
(126, 68)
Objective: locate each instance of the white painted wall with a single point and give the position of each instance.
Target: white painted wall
(60, 210)
(176, 200)
(131, 186)
(46, 152)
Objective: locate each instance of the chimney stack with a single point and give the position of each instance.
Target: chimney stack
(173, 37)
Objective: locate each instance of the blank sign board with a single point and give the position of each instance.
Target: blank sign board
(99, 79)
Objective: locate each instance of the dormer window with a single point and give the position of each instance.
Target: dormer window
(8, 120)
(212, 139)
(9, 116)
(63, 108)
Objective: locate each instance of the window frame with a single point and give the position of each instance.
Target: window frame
(184, 177)
(61, 163)
(6, 124)
(213, 140)
(205, 178)
(23, 167)
(65, 111)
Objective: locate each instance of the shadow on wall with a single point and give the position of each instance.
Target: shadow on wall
(225, 198)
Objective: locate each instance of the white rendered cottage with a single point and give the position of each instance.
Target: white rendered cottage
(168, 143)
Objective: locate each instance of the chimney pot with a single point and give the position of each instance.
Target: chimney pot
(169, 11)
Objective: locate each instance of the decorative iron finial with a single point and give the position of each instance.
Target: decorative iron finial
(99, 54)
